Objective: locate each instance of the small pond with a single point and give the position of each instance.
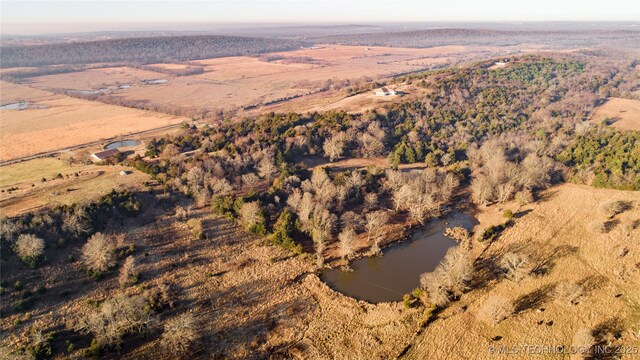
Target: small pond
(22, 105)
(88, 92)
(397, 272)
(156, 81)
(122, 143)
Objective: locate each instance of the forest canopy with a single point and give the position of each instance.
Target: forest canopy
(142, 50)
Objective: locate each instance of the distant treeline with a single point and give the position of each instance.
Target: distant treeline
(439, 37)
(142, 50)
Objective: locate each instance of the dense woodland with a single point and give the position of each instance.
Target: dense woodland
(142, 50)
(440, 37)
(501, 131)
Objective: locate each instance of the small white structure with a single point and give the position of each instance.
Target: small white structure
(124, 172)
(385, 92)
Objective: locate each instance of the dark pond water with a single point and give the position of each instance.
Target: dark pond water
(122, 143)
(156, 81)
(397, 272)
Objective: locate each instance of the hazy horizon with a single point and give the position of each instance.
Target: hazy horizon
(47, 17)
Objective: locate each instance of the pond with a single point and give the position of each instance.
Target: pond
(22, 105)
(122, 143)
(156, 81)
(89, 92)
(397, 272)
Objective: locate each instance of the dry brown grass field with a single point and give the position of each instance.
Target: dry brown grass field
(555, 233)
(620, 113)
(93, 79)
(237, 82)
(66, 122)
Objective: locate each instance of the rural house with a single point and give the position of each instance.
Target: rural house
(385, 92)
(99, 156)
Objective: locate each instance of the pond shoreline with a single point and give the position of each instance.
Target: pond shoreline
(386, 277)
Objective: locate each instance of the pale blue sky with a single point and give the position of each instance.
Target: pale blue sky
(301, 11)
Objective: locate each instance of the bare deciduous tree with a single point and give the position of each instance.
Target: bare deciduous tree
(371, 200)
(346, 245)
(516, 266)
(322, 225)
(98, 254)
(266, 168)
(182, 213)
(250, 180)
(76, 223)
(481, 190)
(524, 197)
(180, 334)
(495, 309)
(128, 273)
(334, 147)
(117, 317)
(449, 278)
(221, 186)
(29, 246)
(375, 221)
(352, 220)
(250, 214)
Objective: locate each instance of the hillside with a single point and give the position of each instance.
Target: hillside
(142, 50)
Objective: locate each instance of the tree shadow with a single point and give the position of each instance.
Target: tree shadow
(605, 334)
(533, 299)
(547, 263)
(485, 270)
(592, 282)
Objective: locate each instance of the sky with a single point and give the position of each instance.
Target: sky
(88, 15)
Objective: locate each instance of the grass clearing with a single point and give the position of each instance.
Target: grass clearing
(623, 114)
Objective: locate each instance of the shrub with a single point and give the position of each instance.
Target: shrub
(22, 305)
(495, 309)
(160, 297)
(567, 292)
(597, 227)
(128, 273)
(117, 317)
(412, 299)
(283, 232)
(524, 197)
(507, 214)
(180, 334)
(40, 346)
(29, 249)
(98, 254)
(582, 342)
(611, 208)
(493, 231)
(195, 226)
